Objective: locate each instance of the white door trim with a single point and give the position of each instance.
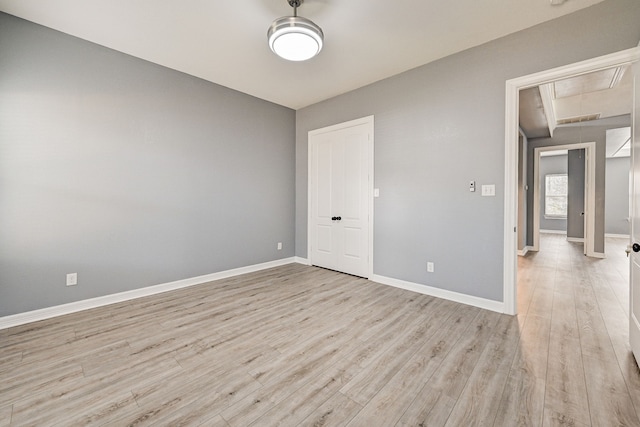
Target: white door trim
(590, 168)
(513, 87)
(357, 122)
(634, 327)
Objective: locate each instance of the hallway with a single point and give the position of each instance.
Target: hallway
(573, 313)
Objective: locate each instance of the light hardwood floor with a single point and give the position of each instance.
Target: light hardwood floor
(299, 345)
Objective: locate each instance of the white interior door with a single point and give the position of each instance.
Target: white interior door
(340, 197)
(634, 277)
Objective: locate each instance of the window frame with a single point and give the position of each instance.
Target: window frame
(555, 196)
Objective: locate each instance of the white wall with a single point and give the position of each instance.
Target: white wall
(617, 196)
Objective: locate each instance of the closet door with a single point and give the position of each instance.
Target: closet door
(339, 198)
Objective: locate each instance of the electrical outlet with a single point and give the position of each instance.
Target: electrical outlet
(279, 246)
(429, 267)
(72, 279)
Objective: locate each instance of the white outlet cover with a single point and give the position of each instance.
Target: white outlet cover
(72, 279)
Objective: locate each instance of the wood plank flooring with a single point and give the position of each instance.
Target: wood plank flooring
(299, 345)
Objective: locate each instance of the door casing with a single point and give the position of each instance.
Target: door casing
(634, 265)
(590, 206)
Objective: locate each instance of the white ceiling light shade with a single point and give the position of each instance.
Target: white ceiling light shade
(295, 38)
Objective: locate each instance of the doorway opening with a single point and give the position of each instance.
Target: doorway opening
(588, 205)
(512, 132)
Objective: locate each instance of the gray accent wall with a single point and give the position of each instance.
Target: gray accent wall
(441, 125)
(576, 168)
(617, 200)
(128, 173)
(550, 165)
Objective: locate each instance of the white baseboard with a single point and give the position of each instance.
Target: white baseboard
(301, 260)
(621, 236)
(441, 293)
(575, 239)
(73, 307)
(523, 251)
(553, 231)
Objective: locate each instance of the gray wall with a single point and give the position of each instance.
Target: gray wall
(550, 165)
(441, 125)
(128, 173)
(617, 199)
(594, 131)
(576, 168)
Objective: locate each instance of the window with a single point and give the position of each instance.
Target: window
(555, 199)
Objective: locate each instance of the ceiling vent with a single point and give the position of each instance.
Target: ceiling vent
(578, 119)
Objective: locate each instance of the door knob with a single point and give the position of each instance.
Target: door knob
(333, 218)
(340, 218)
(635, 247)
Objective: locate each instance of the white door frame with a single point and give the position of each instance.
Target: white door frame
(513, 87)
(634, 324)
(357, 122)
(590, 193)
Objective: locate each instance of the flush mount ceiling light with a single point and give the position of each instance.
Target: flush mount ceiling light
(293, 37)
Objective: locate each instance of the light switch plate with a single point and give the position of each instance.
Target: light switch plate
(489, 190)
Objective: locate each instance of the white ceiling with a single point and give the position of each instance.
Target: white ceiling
(594, 94)
(597, 95)
(224, 41)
